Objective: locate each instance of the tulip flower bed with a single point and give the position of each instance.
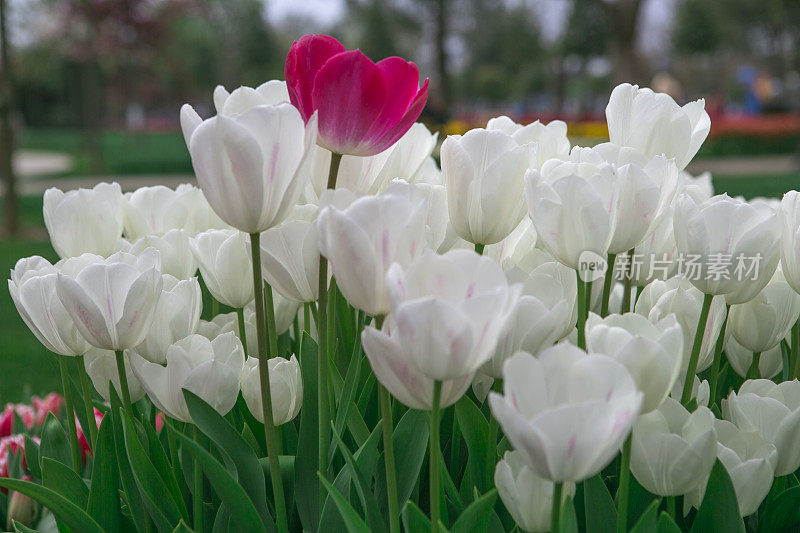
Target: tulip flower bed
(535, 336)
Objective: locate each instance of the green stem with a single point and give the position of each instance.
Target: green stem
(271, 433)
(197, 492)
(752, 372)
(388, 456)
(624, 481)
(796, 348)
(272, 330)
(214, 307)
(607, 285)
(86, 392)
(296, 334)
(307, 317)
(555, 510)
(639, 290)
(321, 319)
(123, 384)
(479, 248)
(73, 430)
(435, 454)
(242, 329)
(712, 380)
(626, 295)
(695, 355)
(671, 506)
(491, 443)
(582, 312)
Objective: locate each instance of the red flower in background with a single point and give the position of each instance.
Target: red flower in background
(83, 441)
(364, 107)
(10, 446)
(49, 404)
(26, 413)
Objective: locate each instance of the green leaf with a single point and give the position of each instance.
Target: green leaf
(22, 528)
(248, 470)
(132, 494)
(232, 494)
(667, 525)
(182, 528)
(55, 443)
(161, 499)
(782, 513)
(60, 478)
(367, 460)
(348, 394)
(410, 439)
(352, 521)
(305, 468)
(475, 431)
(720, 509)
(648, 522)
(32, 457)
(414, 519)
(365, 494)
(569, 521)
(222, 522)
(70, 514)
(477, 515)
(104, 495)
(601, 515)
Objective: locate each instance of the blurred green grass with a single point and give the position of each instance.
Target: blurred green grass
(120, 152)
(26, 368)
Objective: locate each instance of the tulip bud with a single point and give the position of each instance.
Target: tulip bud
(84, 220)
(225, 266)
(789, 216)
(22, 509)
(101, 366)
(483, 170)
(175, 251)
(156, 210)
(272, 92)
(528, 497)
(286, 387)
(550, 139)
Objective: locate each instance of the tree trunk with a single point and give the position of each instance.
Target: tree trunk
(623, 20)
(6, 131)
(442, 99)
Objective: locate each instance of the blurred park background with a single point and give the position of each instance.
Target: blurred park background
(90, 89)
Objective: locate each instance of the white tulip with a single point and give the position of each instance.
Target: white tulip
(789, 217)
(101, 366)
(175, 251)
(550, 139)
(654, 124)
(528, 497)
(201, 216)
(272, 92)
(749, 461)
(565, 411)
(290, 256)
(770, 362)
(84, 220)
(542, 316)
(519, 248)
(156, 210)
(437, 220)
(672, 450)
(701, 390)
(450, 310)
(209, 369)
(569, 212)
(112, 301)
(772, 410)
(286, 387)
(175, 317)
(363, 240)
(251, 166)
(484, 171)
(33, 290)
(652, 352)
(225, 265)
(761, 323)
(396, 370)
(660, 299)
(726, 244)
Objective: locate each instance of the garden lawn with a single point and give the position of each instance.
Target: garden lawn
(26, 368)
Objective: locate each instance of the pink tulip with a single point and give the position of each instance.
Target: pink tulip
(364, 107)
(49, 404)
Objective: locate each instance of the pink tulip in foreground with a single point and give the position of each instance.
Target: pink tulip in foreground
(364, 107)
